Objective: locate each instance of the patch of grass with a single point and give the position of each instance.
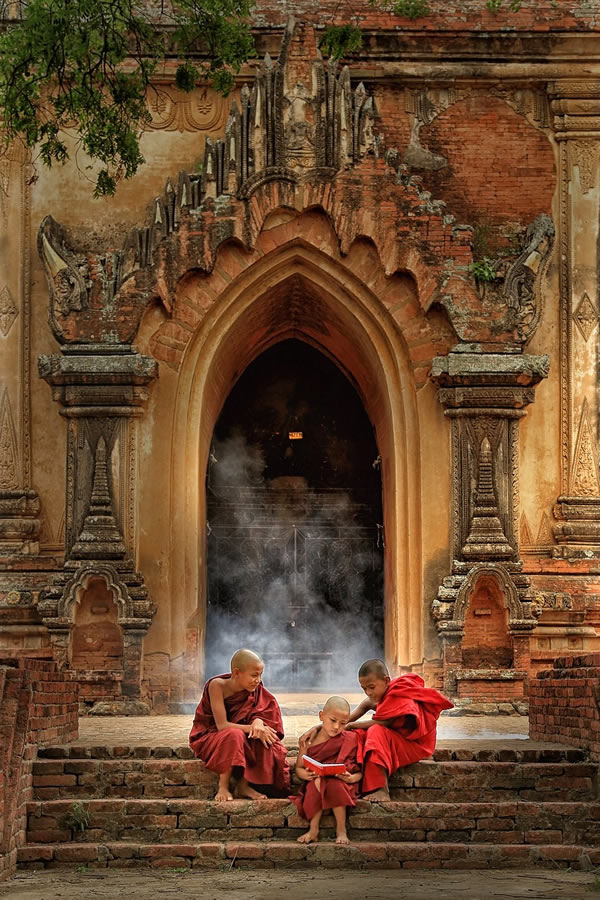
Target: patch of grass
(483, 269)
(78, 818)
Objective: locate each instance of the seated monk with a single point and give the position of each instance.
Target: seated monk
(332, 744)
(403, 727)
(237, 731)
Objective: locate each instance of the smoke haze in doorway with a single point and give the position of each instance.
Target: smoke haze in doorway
(294, 573)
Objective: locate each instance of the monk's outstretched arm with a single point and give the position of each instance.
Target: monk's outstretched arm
(363, 707)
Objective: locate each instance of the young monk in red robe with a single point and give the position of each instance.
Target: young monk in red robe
(237, 731)
(332, 744)
(403, 727)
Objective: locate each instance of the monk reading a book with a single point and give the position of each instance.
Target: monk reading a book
(403, 727)
(330, 774)
(237, 731)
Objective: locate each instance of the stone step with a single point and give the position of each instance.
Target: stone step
(130, 777)
(192, 821)
(289, 854)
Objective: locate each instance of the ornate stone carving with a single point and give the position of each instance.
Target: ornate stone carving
(68, 291)
(283, 130)
(521, 285)
(585, 467)
(173, 110)
(101, 389)
(484, 395)
(544, 535)
(486, 538)
(8, 310)
(517, 610)
(9, 454)
(585, 156)
(100, 537)
(525, 536)
(586, 316)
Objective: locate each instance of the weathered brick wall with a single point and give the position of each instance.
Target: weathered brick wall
(446, 15)
(38, 706)
(499, 167)
(564, 703)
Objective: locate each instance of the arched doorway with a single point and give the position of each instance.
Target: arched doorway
(303, 292)
(294, 523)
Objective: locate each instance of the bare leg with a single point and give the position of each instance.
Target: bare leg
(339, 814)
(312, 834)
(382, 793)
(244, 790)
(223, 792)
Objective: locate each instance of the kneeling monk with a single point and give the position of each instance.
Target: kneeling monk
(403, 727)
(238, 729)
(332, 744)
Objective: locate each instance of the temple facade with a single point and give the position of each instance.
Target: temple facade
(322, 379)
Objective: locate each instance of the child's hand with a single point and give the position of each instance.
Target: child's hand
(308, 737)
(348, 778)
(263, 733)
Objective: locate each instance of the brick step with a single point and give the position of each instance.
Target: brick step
(191, 821)
(452, 781)
(499, 753)
(289, 854)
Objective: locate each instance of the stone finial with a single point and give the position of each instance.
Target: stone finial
(486, 539)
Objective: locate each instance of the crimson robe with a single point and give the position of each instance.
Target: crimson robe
(231, 747)
(410, 736)
(343, 748)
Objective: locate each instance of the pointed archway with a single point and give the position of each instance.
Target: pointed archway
(298, 291)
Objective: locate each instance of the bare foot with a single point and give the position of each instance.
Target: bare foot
(223, 794)
(377, 796)
(342, 838)
(244, 791)
(308, 838)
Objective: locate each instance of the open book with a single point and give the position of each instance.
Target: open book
(322, 768)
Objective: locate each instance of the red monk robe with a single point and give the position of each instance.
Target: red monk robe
(343, 748)
(410, 738)
(221, 750)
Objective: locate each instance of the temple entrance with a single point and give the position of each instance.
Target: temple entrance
(294, 523)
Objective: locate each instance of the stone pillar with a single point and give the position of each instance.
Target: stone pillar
(102, 388)
(485, 395)
(576, 108)
(19, 503)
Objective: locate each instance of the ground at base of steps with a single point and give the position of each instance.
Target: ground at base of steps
(333, 884)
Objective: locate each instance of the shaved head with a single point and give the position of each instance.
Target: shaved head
(243, 658)
(339, 703)
(375, 667)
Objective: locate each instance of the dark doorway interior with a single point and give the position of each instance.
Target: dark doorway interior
(294, 534)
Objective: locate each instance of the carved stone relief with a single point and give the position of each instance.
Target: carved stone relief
(585, 156)
(8, 310)
(586, 317)
(585, 466)
(9, 472)
(172, 110)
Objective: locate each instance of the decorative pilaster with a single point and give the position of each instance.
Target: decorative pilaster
(485, 395)
(19, 503)
(102, 389)
(576, 109)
